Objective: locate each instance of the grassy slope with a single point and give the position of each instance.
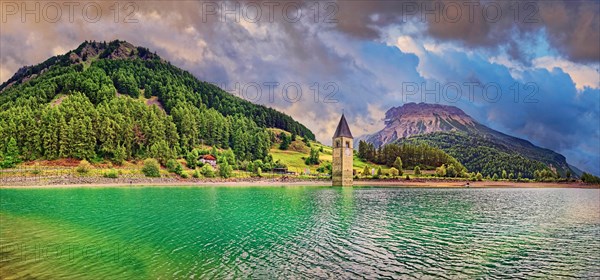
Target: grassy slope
(295, 155)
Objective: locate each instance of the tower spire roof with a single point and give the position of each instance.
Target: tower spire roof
(343, 130)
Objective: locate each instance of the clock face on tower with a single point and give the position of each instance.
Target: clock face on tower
(348, 152)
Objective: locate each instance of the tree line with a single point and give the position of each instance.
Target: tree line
(422, 155)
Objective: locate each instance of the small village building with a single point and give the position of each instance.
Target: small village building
(280, 170)
(285, 171)
(209, 159)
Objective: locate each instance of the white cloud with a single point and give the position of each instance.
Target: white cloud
(514, 67)
(582, 75)
(407, 45)
(370, 123)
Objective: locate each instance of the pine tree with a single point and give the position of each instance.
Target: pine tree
(285, 141)
(306, 142)
(119, 155)
(398, 165)
(161, 152)
(366, 171)
(11, 156)
(417, 170)
(191, 159)
(362, 150)
(495, 177)
(441, 171)
(313, 158)
(64, 136)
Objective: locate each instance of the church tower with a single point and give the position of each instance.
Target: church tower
(343, 149)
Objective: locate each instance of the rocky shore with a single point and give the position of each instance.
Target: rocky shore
(73, 180)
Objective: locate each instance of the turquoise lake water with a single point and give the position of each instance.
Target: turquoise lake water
(298, 232)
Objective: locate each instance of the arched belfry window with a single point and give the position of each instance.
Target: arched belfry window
(347, 144)
(337, 144)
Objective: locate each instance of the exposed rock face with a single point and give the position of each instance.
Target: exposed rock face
(113, 50)
(413, 119)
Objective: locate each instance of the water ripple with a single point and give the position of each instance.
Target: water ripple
(323, 233)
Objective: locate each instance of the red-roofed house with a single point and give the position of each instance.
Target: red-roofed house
(209, 159)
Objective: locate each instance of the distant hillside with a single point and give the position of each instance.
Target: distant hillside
(98, 101)
(477, 147)
(576, 171)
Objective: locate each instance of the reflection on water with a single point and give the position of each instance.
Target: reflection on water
(308, 232)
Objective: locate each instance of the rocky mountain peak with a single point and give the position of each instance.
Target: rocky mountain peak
(420, 118)
(112, 50)
(426, 110)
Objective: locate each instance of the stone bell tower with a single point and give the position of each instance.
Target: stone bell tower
(343, 149)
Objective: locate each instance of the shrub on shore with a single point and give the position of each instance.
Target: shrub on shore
(36, 170)
(207, 171)
(417, 170)
(258, 172)
(84, 167)
(151, 168)
(394, 172)
(196, 173)
(225, 170)
(113, 174)
(174, 167)
(477, 176)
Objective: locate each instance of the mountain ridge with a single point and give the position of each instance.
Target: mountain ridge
(90, 51)
(452, 130)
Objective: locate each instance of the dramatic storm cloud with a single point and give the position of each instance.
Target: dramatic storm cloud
(362, 57)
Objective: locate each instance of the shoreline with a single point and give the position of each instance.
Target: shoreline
(415, 183)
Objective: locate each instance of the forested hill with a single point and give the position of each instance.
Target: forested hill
(478, 147)
(134, 70)
(99, 101)
(490, 155)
